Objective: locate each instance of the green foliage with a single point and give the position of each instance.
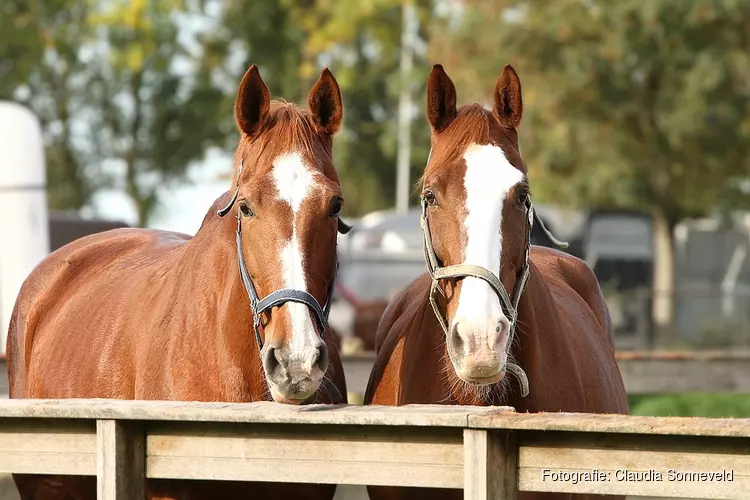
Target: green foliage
(631, 103)
(714, 405)
(291, 41)
(156, 111)
(40, 67)
(108, 81)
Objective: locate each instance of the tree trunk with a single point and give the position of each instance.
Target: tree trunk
(664, 279)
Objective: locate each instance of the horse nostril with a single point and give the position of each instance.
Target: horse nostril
(321, 358)
(503, 327)
(273, 359)
(455, 340)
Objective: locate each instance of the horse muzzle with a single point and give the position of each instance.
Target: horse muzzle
(293, 376)
(478, 356)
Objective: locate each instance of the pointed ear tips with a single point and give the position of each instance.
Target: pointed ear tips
(326, 80)
(253, 71)
(438, 71)
(509, 72)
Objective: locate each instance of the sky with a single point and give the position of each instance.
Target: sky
(182, 206)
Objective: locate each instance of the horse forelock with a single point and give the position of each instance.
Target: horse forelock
(287, 128)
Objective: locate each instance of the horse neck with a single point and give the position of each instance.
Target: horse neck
(526, 338)
(210, 268)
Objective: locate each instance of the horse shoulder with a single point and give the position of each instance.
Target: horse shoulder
(44, 297)
(576, 275)
(392, 328)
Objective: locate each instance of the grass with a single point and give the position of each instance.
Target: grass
(693, 404)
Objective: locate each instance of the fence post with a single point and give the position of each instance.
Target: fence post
(120, 461)
(490, 465)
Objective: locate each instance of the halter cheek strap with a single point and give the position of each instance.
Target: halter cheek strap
(279, 297)
(460, 271)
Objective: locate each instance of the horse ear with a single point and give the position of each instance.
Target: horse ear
(325, 104)
(508, 103)
(441, 98)
(252, 103)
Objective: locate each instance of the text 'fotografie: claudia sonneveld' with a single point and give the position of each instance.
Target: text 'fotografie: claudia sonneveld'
(597, 475)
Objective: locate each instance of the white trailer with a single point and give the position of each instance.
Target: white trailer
(24, 230)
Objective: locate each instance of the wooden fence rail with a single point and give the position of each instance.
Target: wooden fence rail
(490, 453)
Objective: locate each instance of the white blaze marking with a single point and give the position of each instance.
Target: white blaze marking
(294, 181)
(489, 178)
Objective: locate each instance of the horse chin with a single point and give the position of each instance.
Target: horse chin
(295, 398)
(465, 376)
(279, 398)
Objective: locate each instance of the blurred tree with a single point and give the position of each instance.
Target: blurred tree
(360, 41)
(157, 112)
(40, 68)
(633, 104)
(112, 83)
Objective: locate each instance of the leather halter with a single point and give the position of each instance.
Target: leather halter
(460, 271)
(279, 297)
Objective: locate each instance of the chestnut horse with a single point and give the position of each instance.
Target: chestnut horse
(491, 304)
(233, 314)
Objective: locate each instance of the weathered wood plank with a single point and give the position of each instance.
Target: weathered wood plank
(409, 415)
(37, 446)
(490, 465)
(395, 456)
(643, 462)
(634, 472)
(623, 424)
(121, 456)
(258, 412)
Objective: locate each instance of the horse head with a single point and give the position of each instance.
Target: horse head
(476, 215)
(287, 200)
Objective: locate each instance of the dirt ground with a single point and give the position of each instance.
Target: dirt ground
(7, 488)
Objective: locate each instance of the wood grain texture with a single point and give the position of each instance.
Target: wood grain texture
(308, 454)
(258, 412)
(38, 446)
(120, 467)
(408, 415)
(620, 424)
(490, 465)
(634, 472)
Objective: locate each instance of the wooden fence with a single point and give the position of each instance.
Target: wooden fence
(490, 453)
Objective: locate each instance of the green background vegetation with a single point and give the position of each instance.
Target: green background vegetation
(697, 404)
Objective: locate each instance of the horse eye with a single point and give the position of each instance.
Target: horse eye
(429, 196)
(336, 208)
(246, 210)
(523, 197)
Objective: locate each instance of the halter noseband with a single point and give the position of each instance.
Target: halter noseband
(279, 297)
(459, 271)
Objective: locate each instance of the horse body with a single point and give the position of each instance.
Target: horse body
(564, 344)
(147, 314)
(462, 352)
